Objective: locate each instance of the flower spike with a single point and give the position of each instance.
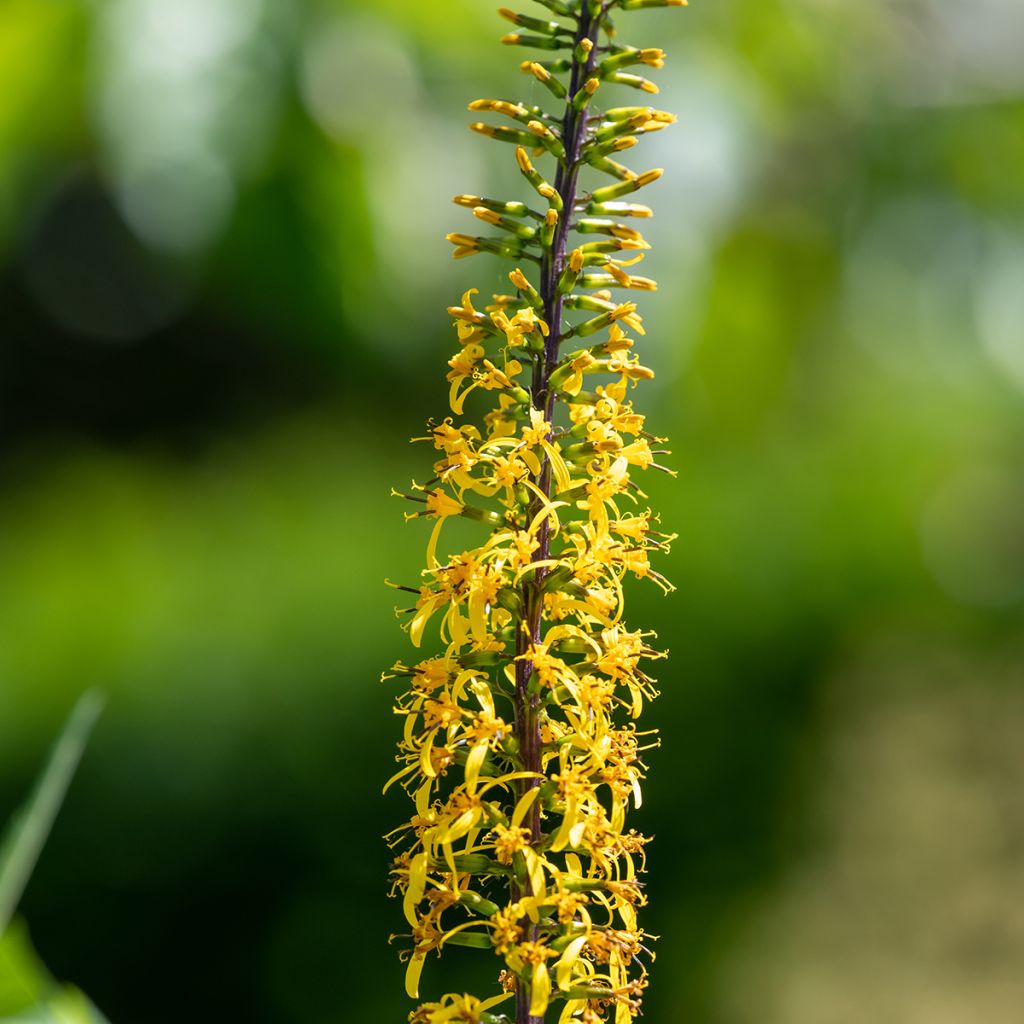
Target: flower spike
(520, 752)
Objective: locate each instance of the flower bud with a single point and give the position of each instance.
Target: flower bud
(602, 195)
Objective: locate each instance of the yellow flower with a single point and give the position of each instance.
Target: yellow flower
(508, 842)
(453, 1009)
(574, 382)
(507, 928)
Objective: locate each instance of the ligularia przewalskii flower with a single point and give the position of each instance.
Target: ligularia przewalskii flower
(520, 750)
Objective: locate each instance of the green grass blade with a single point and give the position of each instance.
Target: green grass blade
(30, 826)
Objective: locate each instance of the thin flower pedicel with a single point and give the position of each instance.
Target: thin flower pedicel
(520, 750)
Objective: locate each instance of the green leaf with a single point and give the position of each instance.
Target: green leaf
(28, 995)
(30, 826)
(23, 979)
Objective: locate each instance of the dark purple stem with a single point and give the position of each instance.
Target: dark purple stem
(527, 719)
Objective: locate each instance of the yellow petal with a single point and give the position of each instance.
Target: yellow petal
(478, 618)
(412, 975)
(543, 563)
(504, 780)
(453, 393)
(423, 799)
(394, 778)
(628, 915)
(540, 990)
(535, 869)
(474, 762)
(563, 969)
(576, 833)
(494, 1000)
(458, 828)
(419, 621)
(417, 886)
(558, 466)
(456, 400)
(456, 626)
(425, 750)
(572, 1007)
(531, 460)
(568, 820)
(435, 535)
(483, 694)
(525, 802)
(549, 506)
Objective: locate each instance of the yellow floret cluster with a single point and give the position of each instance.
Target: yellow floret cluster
(520, 750)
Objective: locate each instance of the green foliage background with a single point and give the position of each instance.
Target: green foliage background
(223, 280)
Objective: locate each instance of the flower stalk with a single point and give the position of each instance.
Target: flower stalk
(520, 750)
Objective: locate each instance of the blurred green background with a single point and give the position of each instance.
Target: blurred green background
(222, 284)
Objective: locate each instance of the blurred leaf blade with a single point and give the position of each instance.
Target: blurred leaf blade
(30, 826)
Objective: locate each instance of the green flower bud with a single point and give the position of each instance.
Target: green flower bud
(624, 188)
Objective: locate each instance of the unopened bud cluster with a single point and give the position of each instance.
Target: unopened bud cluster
(520, 749)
